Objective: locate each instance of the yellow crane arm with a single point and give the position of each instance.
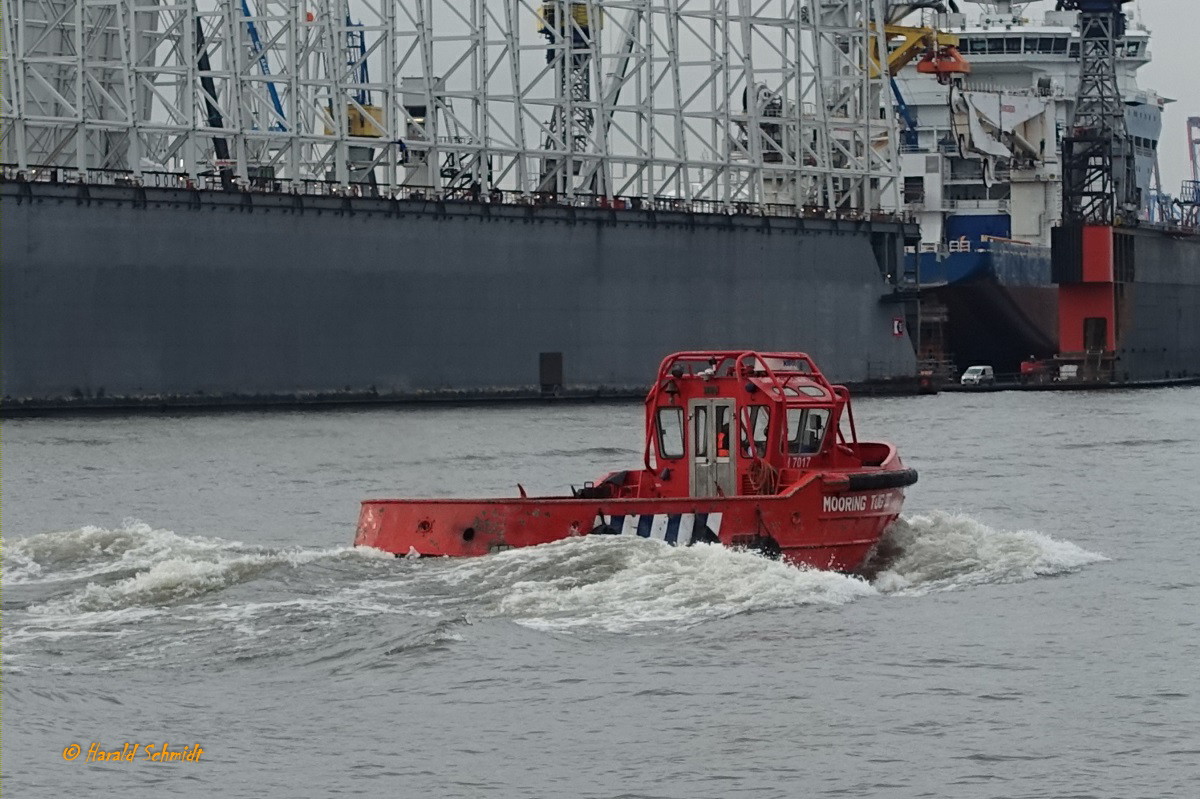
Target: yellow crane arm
(913, 42)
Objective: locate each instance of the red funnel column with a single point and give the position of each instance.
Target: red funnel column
(1087, 308)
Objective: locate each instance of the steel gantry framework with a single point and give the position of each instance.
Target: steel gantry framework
(734, 101)
(1099, 184)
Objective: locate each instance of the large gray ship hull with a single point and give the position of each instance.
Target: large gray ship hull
(119, 295)
(1158, 308)
(1129, 302)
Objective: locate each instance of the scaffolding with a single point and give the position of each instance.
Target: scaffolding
(727, 101)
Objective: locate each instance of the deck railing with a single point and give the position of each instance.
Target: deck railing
(320, 188)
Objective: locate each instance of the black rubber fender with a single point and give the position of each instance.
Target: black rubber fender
(870, 481)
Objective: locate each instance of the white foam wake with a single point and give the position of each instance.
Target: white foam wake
(619, 584)
(623, 585)
(941, 551)
(175, 579)
(628, 584)
(138, 565)
(91, 551)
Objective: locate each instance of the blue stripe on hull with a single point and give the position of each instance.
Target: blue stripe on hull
(679, 529)
(672, 528)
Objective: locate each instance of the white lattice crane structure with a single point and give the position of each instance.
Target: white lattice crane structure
(729, 101)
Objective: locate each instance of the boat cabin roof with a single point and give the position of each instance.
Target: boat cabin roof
(740, 409)
(789, 378)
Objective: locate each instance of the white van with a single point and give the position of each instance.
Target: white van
(978, 376)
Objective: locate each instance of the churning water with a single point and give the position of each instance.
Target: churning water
(1030, 631)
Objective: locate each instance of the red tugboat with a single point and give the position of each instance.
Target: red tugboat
(753, 450)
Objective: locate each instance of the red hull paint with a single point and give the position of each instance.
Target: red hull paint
(839, 538)
(1098, 254)
(744, 449)
(1093, 297)
(1080, 301)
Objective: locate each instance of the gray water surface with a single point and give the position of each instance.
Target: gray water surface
(188, 579)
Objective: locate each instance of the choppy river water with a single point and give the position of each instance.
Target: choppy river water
(187, 579)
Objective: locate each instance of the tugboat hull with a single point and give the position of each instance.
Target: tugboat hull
(819, 523)
(746, 449)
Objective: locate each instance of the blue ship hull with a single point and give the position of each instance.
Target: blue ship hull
(1001, 303)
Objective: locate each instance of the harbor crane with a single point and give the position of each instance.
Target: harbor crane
(938, 51)
(1099, 187)
(1092, 260)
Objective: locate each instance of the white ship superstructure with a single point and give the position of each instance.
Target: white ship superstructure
(982, 160)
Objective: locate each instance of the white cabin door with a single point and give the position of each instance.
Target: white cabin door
(710, 447)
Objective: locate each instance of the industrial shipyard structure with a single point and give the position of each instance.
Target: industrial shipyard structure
(275, 199)
(1050, 140)
(983, 163)
(230, 201)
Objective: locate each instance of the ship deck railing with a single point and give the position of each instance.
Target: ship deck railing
(321, 188)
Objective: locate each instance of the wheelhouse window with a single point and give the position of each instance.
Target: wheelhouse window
(724, 417)
(806, 430)
(670, 433)
(756, 420)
